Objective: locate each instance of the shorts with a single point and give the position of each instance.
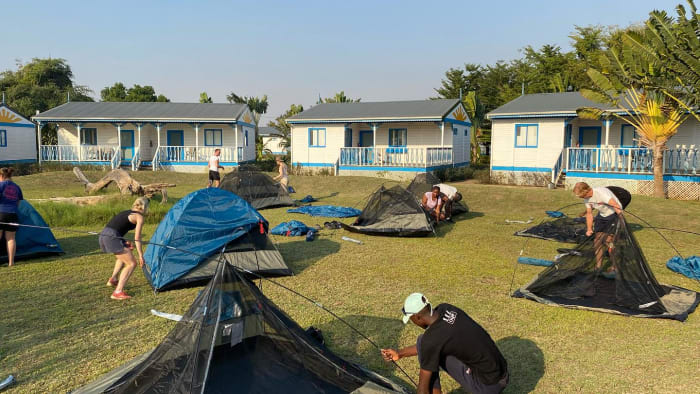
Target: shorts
(214, 175)
(111, 241)
(8, 218)
(605, 224)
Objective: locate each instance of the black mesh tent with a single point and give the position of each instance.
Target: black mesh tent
(423, 183)
(234, 339)
(392, 211)
(578, 280)
(563, 229)
(256, 187)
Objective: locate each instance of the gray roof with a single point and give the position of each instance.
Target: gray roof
(545, 103)
(142, 111)
(267, 130)
(386, 110)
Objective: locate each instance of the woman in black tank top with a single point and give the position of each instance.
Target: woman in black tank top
(112, 241)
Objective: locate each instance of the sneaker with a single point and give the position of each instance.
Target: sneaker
(120, 296)
(450, 220)
(112, 282)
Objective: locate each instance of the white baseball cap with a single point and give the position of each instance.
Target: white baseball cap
(414, 303)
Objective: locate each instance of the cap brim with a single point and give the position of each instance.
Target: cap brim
(406, 318)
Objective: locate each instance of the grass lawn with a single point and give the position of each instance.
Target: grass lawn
(59, 329)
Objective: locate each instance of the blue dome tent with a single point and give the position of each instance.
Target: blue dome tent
(32, 242)
(186, 246)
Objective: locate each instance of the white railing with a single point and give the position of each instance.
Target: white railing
(685, 161)
(58, 152)
(558, 167)
(116, 160)
(81, 153)
(136, 159)
(156, 160)
(395, 156)
(98, 152)
(194, 154)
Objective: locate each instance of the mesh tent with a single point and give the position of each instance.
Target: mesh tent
(392, 211)
(234, 339)
(259, 189)
(201, 225)
(564, 229)
(423, 183)
(574, 281)
(32, 242)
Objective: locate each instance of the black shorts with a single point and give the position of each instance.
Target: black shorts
(111, 242)
(8, 218)
(214, 175)
(605, 224)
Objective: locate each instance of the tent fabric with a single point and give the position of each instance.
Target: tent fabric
(574, 281)
(293, 228)
(329, 211)
(563, 229)
(423, 183)
(689, 266)
(202, 224)
(235, 339)
(32, 242)
(392, 212)
(256, 187)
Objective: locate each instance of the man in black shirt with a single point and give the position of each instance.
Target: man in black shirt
(454, 342)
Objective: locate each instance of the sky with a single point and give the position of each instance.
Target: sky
(293, 51)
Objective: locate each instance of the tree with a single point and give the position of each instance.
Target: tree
(280, 123)
(40, 85)
(477, 114)
(204, 98)
(257, 105)
(340, 97)
(116, 92)
(137, 93)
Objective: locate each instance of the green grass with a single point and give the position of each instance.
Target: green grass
(60, 330)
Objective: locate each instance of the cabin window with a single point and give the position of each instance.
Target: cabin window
(455, 131)
(628, 138)
(348, 137)
(526, 135)
(88, 136)
(397, 137)
(466, 131)
(3, 138)
(245, 137)
(212, 137)
(317, 137)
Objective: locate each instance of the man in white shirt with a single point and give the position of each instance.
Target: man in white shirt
(451, 196)
(214, 177)
(605, 223)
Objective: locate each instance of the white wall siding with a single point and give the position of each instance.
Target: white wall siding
(317, 156)
(550, 142)
(20, 143)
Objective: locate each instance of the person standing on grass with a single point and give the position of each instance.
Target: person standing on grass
(451, 196)
(112, 241)
(605, 223)
(454, 342)
(432, 203)
(10, 196)
(214, 177)
(283, 176)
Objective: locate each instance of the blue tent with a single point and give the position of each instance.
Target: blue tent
(31, 242)
(204, 223)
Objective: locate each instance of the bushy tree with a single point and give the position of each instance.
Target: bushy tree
(280, 123)
(340, 97)
(136, 93)
(257, 105)
(204, 98)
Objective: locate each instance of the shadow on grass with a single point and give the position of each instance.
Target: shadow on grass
(72, 247)
(525, 363)
(445, 227)
(300, 255)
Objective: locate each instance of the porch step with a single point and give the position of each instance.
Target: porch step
(561, 182)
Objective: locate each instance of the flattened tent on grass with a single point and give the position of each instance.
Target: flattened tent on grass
(394, 212)
(32, 242)
(563, 229)
(423, 183)
(200, 226)
(234, 339)
(574, 281)
(257, 188)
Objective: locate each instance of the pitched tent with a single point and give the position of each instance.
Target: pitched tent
(31, 242)
(200, 226)
(564, 229)
(574, 281)
(234, 339)
(392, 211)
(257, 188)
(423, 183)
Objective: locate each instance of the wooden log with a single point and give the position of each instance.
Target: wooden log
(125, 183)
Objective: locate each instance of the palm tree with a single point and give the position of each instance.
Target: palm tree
(476, 110)
(340, 97)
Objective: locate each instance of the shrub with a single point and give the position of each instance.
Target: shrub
(483, 176)
(96, 216)
(34, 168)
(455, 174)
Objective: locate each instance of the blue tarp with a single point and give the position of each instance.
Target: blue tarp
(31, 241)
(329, 211)
(292, 228)
(689, 267)
(555, 214)
(534, 261)
(308, 198)
(198, 225)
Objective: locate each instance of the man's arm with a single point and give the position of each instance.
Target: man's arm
(424, 201)
(395, 355)
(615, 206)
(589, 221)
(424, 381)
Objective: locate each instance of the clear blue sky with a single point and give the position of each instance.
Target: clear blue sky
(292, 50)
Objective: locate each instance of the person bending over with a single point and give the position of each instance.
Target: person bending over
(112, 241)
(214, 177)
(432, 204)
(283, 176)
(454, 342)
(605, 223)
(451, 196)
(10, 196)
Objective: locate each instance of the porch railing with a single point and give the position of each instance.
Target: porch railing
(558, 167)
(194, 154)
(684, 161)
(78, 153)
(136, 159)
(58, 152)
(395, 156)
(116, 160)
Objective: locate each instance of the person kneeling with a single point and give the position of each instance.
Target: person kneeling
(454, 342)
(450, 196)
(432, 204)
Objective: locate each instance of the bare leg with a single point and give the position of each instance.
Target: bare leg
(129, 262)
(11, 247)
(215, 183)
(117, 267)
(599, 248)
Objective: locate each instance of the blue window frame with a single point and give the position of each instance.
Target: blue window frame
(526, 135)
(398, 137)
(317, 137)
(454, 131)
(213, 137)
(348, 137)
(3, 138)
(628, 136)
(245, 137)
(88, 136)
(466, 131)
